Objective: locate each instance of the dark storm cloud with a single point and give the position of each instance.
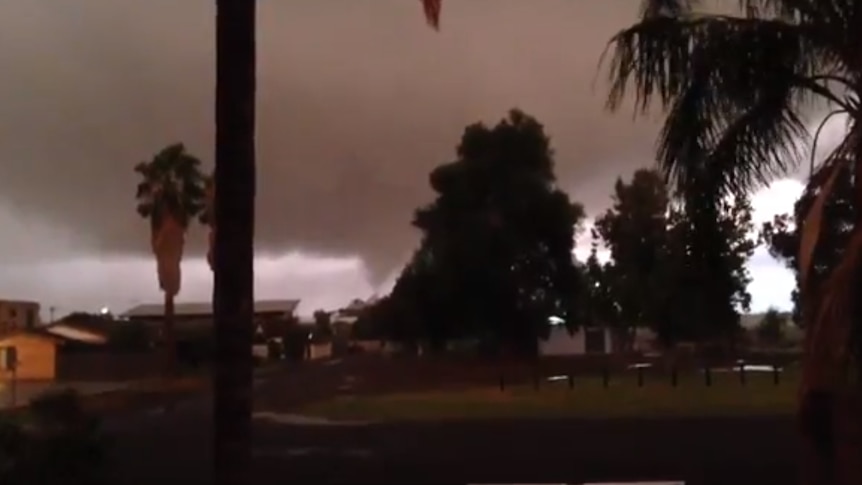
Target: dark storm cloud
(358, 100)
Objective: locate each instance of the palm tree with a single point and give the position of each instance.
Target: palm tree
(736, 90)
(170, 195)
(232, 257)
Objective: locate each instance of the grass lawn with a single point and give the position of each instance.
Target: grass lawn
(145, 393)
(588, 398)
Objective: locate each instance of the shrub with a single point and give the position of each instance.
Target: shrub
(55, 443)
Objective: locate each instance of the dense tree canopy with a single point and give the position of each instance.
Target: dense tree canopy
(676, 268)
(710, 243)
(602, 307)
(495, 261)
(635, 231)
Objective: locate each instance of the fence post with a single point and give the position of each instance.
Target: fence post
(606, 377)
(776, 374)
(674, 377)
(571, 381)
(742, 374)
(640, 376)
(707, 376)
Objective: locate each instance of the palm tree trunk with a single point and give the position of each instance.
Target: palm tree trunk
(233, 292)
(170, 337)
(830, 418)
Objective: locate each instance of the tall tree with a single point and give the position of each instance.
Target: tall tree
(704, 274)
(671, 262)
(169, 195)
(734, 89)
(233, 245)
(496, 253)
(770, 329)
(635, 230)
(233, 251)
(783, 234)
(601, 306)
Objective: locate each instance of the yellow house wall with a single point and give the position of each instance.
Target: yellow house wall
(37, 358)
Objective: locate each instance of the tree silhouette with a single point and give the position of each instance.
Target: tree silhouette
(770, 329)
(169, 195)
(495, 261)
(735, 88)
(233, 243)
(635, 230)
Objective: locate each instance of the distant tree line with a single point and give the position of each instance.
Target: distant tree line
(496, 262)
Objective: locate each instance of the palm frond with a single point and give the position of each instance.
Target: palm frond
(828, 339)
(811, 226)
(837, 13)
(658, 56)
(144, 190)
(144, 209)
(816, 137)
(171, 185)
(762, 142)
(723, 80)
(667, 8)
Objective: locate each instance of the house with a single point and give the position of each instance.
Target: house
(193, 324)
(18, 315)
(349, 314)
(36, 355)
(585, 340)
(268, 315)
(82, 327)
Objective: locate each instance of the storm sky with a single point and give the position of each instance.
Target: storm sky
(357, 101)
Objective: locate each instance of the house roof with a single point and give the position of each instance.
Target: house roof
(20, 302)
(86, 322)
(354, 308)
(40, 334)
(157, 310)
(76, 334)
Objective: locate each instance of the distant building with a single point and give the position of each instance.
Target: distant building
(16, 315)
(585, 340)
(350, 313)
(269, 315)
(82, 327)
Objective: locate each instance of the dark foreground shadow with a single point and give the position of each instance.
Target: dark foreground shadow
(702, 451)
